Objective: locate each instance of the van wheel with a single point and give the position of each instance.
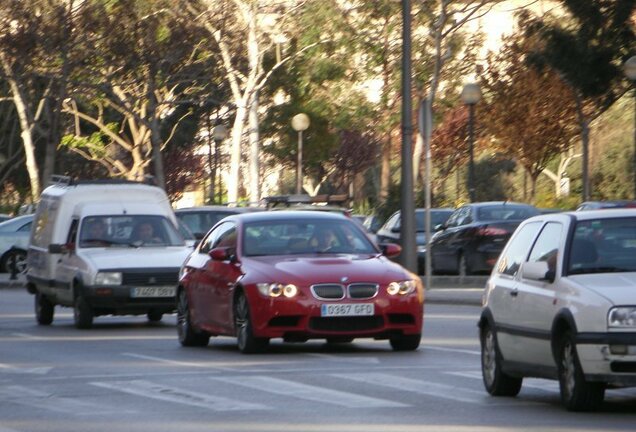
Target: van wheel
(82, 313)
(576, 393)
(154, 315)
(44, 309)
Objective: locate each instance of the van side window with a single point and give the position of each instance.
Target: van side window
(72, 232)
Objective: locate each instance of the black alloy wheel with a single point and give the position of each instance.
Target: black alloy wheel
(188, 336)
(247, 342)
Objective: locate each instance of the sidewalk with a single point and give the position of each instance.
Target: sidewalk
(446, 290)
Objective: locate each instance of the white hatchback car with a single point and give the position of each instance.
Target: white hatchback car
(561, 304)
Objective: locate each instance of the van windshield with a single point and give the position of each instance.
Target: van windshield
(128, 231)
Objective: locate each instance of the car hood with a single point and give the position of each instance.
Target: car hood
(121, 258)
(308, 270)
(618, 288)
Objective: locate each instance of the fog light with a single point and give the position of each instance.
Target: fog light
(619, 349)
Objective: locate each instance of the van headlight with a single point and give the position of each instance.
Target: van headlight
(108, 278)
(623, 317)
(401, 287)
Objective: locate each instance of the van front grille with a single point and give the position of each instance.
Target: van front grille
(145, 277)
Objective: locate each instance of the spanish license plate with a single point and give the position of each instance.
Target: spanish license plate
(157, 291)
(347, 309)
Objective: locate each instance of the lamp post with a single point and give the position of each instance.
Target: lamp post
(300, 122)
(471, 94)
(219, 133)
(630, 72)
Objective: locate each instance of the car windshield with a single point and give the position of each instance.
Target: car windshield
(505, 212)
(305, 236)
(603, 246)
(438, 217)
(128, 231)
(200, 222)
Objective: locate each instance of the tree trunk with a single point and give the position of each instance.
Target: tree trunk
(26, 127)
(235, 154)
(385, 172)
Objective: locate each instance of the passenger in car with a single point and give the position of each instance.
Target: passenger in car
(145, 233)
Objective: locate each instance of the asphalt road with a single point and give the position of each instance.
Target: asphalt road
(128, 375)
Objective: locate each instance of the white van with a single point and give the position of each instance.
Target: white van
(104, 248)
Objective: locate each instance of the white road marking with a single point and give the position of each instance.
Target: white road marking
(226, 365)
(177, 395)
(308, 392)
(340, 358)
(428, 388)
(5, 368)
(40, 399)
(456, 350)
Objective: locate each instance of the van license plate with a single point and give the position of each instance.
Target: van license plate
(347, 309)
(160, 291)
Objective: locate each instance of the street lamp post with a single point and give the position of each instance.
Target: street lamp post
(219, 133)
(630, 72)
(471, 94)
(300, 122)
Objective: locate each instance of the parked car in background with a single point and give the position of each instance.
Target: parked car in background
(324, 203)
(560, 304)
(598, 205)
(14, 243)
(390, 231)
(200, 219)
(4, 217)
(473, 236)
(296, 275)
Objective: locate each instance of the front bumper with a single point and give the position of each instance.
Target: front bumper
(300, 318)
(119, 300)
(597, 354)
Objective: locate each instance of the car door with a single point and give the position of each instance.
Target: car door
(67, 266)
(445, 242)
(215, 282)
(502, 289)
(536, 299)
(196, 265)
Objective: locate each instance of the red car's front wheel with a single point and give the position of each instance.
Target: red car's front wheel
(247, 342)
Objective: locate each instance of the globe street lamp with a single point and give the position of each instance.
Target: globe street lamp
(471, 94)
(300, 123)
(630, 72)
(219, 133)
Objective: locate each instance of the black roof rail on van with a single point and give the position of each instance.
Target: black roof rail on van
(63, 180)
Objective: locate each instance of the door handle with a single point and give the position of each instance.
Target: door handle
(514, 292)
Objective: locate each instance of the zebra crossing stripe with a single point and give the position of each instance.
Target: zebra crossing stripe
(308, 392)
(177, 395)
(428, 388)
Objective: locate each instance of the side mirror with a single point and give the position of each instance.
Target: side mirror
(222, 254)
(56, 248)
(538, 271)
(390, 250)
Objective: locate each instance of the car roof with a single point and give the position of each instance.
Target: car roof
(504, 203)
(217, 208)
(286, 215)
(582, 215)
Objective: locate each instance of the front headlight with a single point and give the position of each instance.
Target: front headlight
(108, 278)
(401, 287)
(623, 317)
(277, 289)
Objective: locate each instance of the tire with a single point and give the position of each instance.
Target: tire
(405, 342)
(462, 266)
(496, 381)
(188, 336)
(44, 309)
(19, 257)
(154, 315)
(246, 341)
(576, 393)
(82, 313)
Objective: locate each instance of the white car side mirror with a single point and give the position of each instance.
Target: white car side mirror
(537, 270)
